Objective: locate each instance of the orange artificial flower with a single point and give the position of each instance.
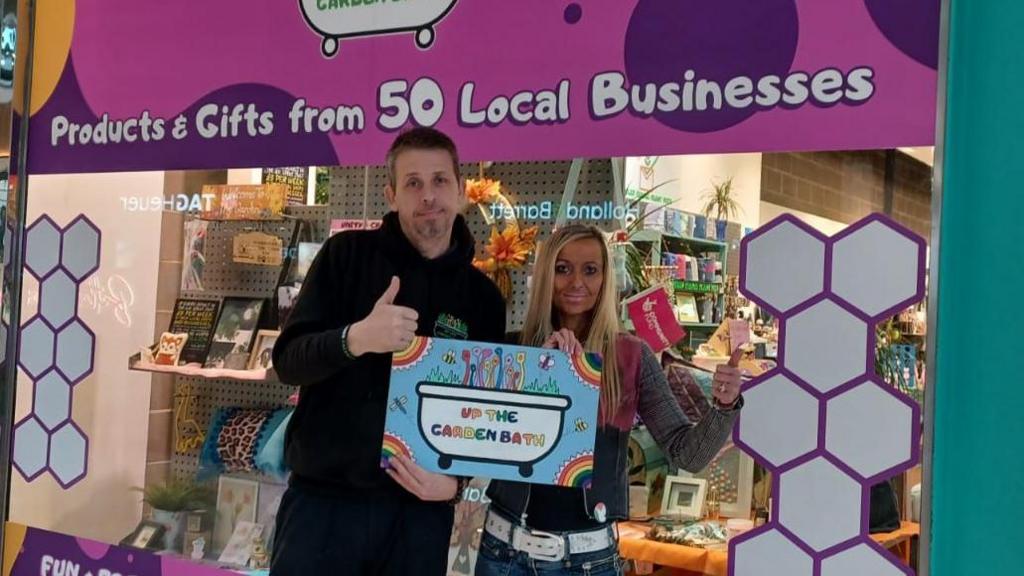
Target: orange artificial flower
(482, 191)
(486, 266)
(511, 247)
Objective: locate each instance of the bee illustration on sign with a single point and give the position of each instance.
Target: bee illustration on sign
(547, 362)
(581, 425)
(335, 20)
(449, 357)
(398, 403)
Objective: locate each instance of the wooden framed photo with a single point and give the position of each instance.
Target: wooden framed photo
(263, 350)
(684, 497)
(146, 536)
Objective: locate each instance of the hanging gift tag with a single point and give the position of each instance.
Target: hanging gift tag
(257, 248)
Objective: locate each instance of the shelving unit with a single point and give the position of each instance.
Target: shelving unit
(659, 242)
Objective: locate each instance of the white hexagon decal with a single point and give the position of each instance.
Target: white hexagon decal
(779, 421)
(769, 554)
(820, 504)
(52, 400)
(57, 298)
(877, 268)
(75, 351)
(42, 247)
(81, 251)
(36, 347)
(860, 560)
(67, 455)
(30, 447)
(784, 265)
(870, 430)
(826, 346)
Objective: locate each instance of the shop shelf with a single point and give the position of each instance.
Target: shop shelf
(705, 244)
(195, 371)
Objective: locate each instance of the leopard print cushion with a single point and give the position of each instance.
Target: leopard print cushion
(238, 439)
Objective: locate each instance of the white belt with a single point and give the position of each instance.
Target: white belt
(546, 546)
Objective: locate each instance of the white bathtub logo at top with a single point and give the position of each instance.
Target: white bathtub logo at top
(338, 19)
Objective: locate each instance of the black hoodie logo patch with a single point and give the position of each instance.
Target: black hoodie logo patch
(448, 326)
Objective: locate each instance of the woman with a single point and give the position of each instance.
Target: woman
(538, 529)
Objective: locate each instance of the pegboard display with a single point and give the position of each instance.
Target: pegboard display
(355, 193)
(523, 183)
(212, 394)
(223, 277)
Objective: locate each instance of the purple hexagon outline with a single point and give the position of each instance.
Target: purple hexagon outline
(53, 355)
(85, 457)
(922, 256)
(869, 356)
(868, 376)
(782, 530)
(60, 244)
(745, 247)
(99, 243)
(71, 400)
(53, 367)
(865, 501)
(915, 433)
(14, 461)
(870, 543)
(92, 352)
(77, 287)
(737, 436)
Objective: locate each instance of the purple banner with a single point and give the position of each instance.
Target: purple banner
(42, 553)
(127, 85)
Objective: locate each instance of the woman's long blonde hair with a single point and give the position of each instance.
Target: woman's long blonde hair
(603, 328)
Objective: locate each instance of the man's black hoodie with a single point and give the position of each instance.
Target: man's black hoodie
(334, 437)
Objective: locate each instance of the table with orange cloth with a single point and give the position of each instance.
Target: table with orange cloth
(634, 545)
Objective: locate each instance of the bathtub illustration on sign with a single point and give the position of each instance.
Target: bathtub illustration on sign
(335, 20)
(541, 414)
(493, 411)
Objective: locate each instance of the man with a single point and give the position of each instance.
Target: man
(367, 294)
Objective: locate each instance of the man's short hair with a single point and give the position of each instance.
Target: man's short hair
(421, 139)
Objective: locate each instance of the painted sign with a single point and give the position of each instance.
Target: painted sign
(295, 178)
(35, 552)
(124, 85)
(494, 411)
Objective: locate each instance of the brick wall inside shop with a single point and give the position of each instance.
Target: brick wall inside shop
(846, 186)
(161, 401)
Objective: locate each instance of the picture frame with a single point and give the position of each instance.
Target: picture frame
(263, 349)
(198, 319)
(306, 254)
(686, 308)
(732, 473)
(237, 500)
(239, 548)
(268, 503)
(147, 535)
(684, 497)
(234, 333)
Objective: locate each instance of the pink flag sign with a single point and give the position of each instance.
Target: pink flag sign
(654, 320)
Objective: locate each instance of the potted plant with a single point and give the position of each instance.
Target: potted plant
(719, 202)
(170, 503)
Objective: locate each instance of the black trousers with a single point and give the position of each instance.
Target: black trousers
(360, 534)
